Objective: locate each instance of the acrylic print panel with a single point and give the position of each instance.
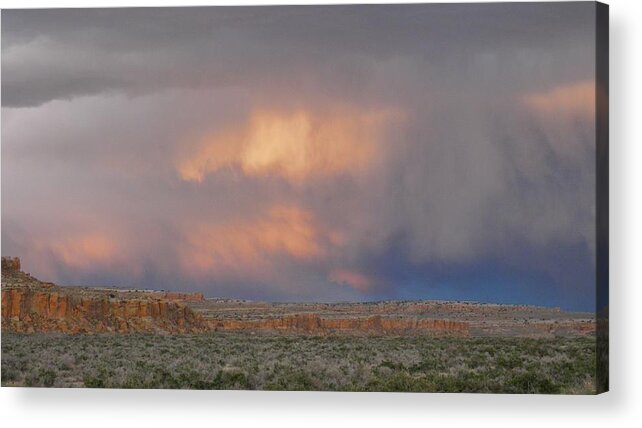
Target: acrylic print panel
(343, 198)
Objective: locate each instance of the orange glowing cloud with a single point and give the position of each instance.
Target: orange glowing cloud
(295, 145)
(575, 99)
(352, 279)
(564, 111)
(85, 250)
(246, 246)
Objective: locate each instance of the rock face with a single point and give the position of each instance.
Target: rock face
(375, 325)
(29, 311)
(10, 264)
(29, 306)
(183, 297)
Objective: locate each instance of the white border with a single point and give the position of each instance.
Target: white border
(620, 407)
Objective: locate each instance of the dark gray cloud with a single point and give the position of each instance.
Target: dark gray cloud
(60, 54)
(493, 156)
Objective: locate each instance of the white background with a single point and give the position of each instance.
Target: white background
(23, 407)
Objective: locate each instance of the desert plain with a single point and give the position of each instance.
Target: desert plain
(70, 336)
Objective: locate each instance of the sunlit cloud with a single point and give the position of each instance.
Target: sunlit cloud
(564, 112)
(295, 145)
(336, 155)
(575, 99)
(245, 247)
(80, 252)
(351, 278)
(76, 242)
(85, 250)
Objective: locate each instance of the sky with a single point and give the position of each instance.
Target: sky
(305, 153)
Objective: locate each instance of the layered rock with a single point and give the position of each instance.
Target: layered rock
(182, 297)
(29, 311)
(10, 264)
(374, 325)
(29, 305)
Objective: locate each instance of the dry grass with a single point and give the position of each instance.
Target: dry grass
(338, 363)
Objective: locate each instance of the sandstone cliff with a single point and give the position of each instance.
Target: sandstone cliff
(376, 325)
(29, 311)
(10, 264)
(29, 305)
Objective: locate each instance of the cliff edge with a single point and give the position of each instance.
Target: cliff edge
(30, 305)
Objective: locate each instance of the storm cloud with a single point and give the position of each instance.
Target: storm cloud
(305, 153)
